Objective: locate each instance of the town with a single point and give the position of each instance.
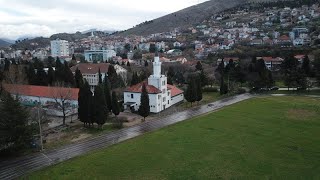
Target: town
(69, 88)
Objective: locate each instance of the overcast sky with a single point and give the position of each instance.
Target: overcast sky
(46, 17)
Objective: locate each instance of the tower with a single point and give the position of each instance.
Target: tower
(157, 79)
(157, 66)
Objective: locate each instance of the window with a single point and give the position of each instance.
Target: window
(131, 96)
(164, 99)
(168, 102)
(159, 96)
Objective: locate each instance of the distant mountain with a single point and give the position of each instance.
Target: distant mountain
(4, 43)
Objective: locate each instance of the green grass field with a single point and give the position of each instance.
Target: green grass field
(262, 138)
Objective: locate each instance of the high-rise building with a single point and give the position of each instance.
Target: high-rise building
(60, 48)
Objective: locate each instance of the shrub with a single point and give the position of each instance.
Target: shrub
(241, 91)
(117, 124)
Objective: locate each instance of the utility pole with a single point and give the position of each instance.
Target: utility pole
(40, 129)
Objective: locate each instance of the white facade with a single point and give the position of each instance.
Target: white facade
(99, 55)
(93, 79)
(160, 99)
(60, 48)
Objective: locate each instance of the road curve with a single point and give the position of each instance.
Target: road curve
(14, 168)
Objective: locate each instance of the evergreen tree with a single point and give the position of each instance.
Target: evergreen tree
(191, 92)
(107, 92)
(198, 89)
(74, 57)
(115, 104)
(204, 80)
(51, 77)
(152, 48)
(59, 72)
(122, 64)
(171, 72)
(128, 64)
(289, 68)
(84, 100)
(68, 75)
(100, 76)
(111, 71)
(317, 69)
(78, 78)
(41, 77)
(179, 78)
(199, 66)
(144, 109)
(6, 65)
(146, 64)
(31, 75)
(170, 80)
(16, 133)
(306, 66)
(101, 113)
(135, 79)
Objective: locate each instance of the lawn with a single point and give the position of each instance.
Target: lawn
(207, 97)
(262, 138)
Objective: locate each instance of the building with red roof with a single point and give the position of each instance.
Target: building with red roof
(161, 94)
(90, 72)
(33, 95)
(272, 63)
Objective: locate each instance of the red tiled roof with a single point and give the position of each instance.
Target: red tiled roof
(41, 91)
(284, 38)
(300, 56)
(271, 59)
(138, 88)
(87, 68)
(174, 90)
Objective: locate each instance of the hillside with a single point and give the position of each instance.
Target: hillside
(4, 43)
(186, 17)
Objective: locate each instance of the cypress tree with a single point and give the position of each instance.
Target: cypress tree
(84, 100)
(191, 92)
(144, 109)
(134, 79)
(78, 78)
(31, 75)
(59, 73)
(198, 89)
(101, 113)
(306, 66)
(107, 92)
(199, 66)
(51, 77)
(100, 77)
(41, 77)
(116, 110)
(68, 75)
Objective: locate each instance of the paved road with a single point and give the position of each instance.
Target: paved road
(14, 168)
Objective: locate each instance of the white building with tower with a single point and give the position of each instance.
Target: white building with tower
(161, 94)
(60, 48)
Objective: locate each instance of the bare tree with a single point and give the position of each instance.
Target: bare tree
(62, 96)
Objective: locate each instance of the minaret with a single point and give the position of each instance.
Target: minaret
(157, 66)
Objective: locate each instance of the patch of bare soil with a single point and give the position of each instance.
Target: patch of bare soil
(81, 137)
(300, 114)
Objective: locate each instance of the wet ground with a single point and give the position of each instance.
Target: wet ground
(14, 168)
